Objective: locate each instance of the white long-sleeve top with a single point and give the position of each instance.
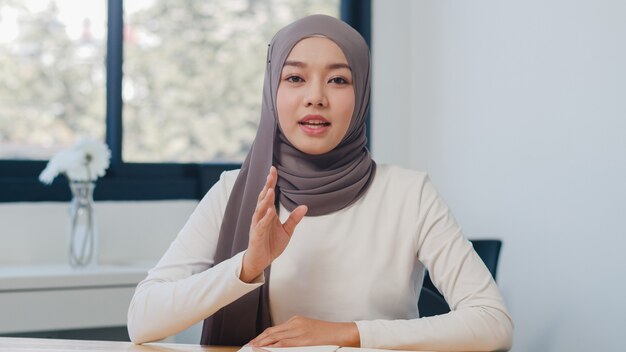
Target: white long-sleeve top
(364, 263)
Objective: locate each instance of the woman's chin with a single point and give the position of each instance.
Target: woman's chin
(313, 145)
(314, 149)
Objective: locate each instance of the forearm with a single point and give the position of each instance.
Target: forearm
(474, 328)
(160, 309)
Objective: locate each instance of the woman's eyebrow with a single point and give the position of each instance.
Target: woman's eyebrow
(339, 66)
(295, 63)
(333, 66)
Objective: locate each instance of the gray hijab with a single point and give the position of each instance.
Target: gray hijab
(325, 183)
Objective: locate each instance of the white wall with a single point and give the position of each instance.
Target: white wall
(518, 112)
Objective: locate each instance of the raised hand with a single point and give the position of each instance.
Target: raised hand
(268, 236)
(301, 331)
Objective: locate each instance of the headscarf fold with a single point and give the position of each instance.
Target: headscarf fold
(325, 183)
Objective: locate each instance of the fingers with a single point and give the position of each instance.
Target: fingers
(297, 331)
(265, 202)
(259, 349)
(266, 221)
(272, 339)
(274, 335)
(294, 219)
(256, 341)
(266, 197)
(263, 199)
(270, 182)
(288, 343)
(272, 178)
(262, 207)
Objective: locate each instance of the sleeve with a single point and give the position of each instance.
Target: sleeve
(184, 287)
(478, 320)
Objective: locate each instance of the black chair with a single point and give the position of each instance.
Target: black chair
(431, 302)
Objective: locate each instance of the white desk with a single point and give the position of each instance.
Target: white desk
(57, 297)
(54, 345)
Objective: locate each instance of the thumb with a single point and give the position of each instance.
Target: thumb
(294, 218)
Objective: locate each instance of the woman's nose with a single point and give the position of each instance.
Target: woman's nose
(315, 96)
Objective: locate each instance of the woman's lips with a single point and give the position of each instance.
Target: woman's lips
(314, 125)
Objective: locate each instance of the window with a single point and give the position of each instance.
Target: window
(52, 83)
(187, 102)
(193, 73)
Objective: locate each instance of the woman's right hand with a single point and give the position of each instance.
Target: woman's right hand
(268, 236)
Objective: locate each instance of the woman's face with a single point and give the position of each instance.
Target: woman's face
(315, 98)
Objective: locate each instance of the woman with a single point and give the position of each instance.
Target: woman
(347, 240)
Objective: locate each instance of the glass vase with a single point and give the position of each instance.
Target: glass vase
(83, 234)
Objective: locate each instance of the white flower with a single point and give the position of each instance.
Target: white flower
(60, 163)
(96, 156)
(86, 160)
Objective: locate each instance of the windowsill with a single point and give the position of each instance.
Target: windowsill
(44, 277)
(39, 298)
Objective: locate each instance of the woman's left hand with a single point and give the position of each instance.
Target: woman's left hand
(301, 331)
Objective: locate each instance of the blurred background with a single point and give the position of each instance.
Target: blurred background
(193, 72)
(517, 110)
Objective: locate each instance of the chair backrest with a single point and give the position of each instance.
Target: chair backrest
(431, 302)
(489, 252)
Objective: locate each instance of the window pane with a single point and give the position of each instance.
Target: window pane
(52, 78)
(193, 74)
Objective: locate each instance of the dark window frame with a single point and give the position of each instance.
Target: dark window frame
(137, 181)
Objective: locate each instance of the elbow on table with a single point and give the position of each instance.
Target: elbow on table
(139, 335)
(135, 338)
(502, 335)
(492, 332)
(134, 332)
(137, 331)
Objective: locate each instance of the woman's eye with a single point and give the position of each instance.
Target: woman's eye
(338, 80)
(294, 79)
